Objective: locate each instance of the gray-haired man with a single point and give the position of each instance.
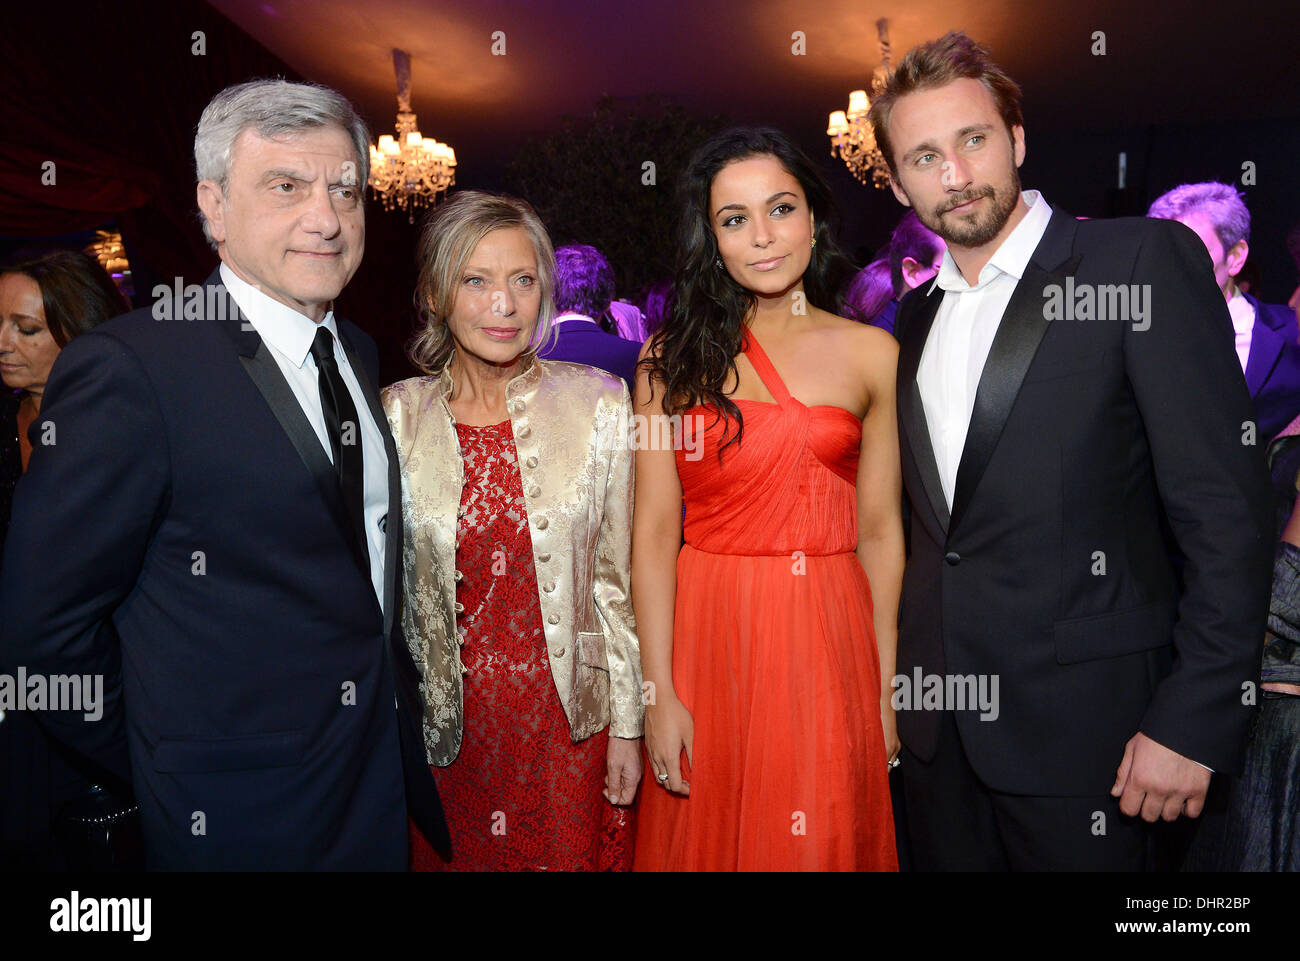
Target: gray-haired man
(204, 524)
(1264, 334)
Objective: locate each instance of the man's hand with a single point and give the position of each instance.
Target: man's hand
(1158, 782)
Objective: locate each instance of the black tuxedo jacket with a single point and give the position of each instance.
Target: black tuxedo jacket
(184, 536)
(1051, 571)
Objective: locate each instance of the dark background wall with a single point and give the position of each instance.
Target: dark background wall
(113, 95)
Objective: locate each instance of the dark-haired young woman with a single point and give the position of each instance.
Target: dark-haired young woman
(766, 660)
(51, 817)
(45, 301)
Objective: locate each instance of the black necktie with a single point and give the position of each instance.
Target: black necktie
(345, 436)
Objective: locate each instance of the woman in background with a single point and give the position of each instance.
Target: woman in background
(1253, 824)
(45, 301)
(766, 661)
(517, 503)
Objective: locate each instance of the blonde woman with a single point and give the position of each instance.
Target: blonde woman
(517, 503)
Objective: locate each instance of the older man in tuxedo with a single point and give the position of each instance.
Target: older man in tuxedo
(1047, 425)
(211, 521)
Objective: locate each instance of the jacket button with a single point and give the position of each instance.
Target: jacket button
(553, 619)
(543, 557)
(559, 652)
(541, 523)
(531, 462)
(550, 586)
(524, 430)
(534, 491)
(953, 558)
(516, 406)
(459, 575)
(459, 607)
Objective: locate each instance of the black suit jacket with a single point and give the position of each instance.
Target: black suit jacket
(184, 536)
(1273, 367)
(1051, 572)
(11, 461)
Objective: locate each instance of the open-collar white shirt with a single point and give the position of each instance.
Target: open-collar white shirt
(962, 334)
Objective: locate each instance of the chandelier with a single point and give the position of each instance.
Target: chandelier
(108, 250)
(852, 138)
(409, 171)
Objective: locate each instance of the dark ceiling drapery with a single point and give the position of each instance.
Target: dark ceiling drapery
(111, 95)
(75, 193)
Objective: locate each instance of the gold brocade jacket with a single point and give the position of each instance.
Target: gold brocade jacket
(571, 430)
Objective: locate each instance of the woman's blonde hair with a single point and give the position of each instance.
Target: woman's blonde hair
(447, 240)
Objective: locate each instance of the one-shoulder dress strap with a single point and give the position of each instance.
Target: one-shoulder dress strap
(766, 372)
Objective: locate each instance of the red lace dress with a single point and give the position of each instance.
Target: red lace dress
(520, 796)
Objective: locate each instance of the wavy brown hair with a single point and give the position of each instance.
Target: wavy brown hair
(695, 351)
(76, 292)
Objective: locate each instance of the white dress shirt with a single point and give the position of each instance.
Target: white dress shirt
(1243, 325)
(964, 327)
(572, 316)
(289, 335)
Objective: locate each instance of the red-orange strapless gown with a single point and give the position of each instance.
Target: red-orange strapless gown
(774, 654)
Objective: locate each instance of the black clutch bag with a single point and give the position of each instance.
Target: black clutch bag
(100, 831)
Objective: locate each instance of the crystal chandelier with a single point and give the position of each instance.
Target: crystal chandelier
(852, 138)
(409, 171)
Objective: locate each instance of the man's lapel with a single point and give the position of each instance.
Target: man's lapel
(1020, 332)
(393, 521)
(1265, 348)
(265, 374)
(914, 330)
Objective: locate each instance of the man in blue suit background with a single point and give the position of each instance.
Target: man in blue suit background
(211, 522)
(1265, 334)
(584, 289)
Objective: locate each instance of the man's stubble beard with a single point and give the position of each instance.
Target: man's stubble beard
(975, 230)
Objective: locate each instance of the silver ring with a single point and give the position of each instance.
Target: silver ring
(661, 778)
(895, 762)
